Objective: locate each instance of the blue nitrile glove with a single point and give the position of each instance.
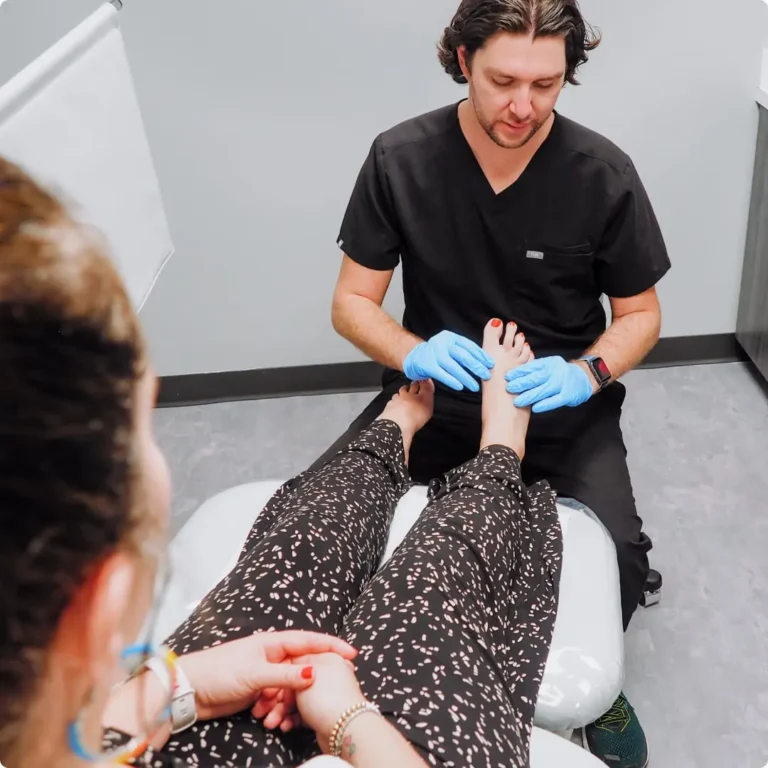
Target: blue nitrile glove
(446, 358)
(549, 384)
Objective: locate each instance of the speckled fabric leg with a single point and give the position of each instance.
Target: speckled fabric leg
(308, 557)
(454, 632)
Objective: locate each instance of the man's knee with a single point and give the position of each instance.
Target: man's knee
(609, 494)
(619, 516)
(632, 556)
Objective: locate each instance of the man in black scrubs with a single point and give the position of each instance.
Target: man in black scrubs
(500, 207)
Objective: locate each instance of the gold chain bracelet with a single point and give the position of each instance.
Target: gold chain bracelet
(337, 734)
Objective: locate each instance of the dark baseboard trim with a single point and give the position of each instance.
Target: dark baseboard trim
(203, 388)
(695, 350)
(229, 386)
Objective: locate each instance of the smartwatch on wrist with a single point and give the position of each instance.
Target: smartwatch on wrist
(599, 370)
(183, 704)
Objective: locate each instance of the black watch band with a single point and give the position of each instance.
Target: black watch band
(599, 370)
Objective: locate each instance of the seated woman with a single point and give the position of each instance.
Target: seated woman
(449, 640)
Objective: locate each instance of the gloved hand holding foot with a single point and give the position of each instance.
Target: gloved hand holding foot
(549, 384)
(451, 359)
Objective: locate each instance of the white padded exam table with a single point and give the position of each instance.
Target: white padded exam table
(585, 669)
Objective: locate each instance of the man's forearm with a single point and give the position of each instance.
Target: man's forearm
(627, 341)
(366, 325)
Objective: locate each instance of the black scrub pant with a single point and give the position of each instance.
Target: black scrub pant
(579, 451)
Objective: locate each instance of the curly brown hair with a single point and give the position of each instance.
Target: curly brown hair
(71, 355)
(477, 21)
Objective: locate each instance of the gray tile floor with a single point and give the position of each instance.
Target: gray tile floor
(698, 443)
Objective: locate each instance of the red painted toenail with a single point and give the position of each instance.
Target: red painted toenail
(496, 323)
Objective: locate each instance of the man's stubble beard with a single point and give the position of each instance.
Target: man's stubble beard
(516, 145)
(497, 139)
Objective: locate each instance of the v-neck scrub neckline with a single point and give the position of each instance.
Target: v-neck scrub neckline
(480, 181)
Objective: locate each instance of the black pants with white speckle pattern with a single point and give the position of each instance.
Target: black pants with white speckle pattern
(453, 632)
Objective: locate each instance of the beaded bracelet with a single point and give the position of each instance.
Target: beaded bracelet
(343, 723)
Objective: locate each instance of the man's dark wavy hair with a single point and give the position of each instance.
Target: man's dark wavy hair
(477, 21)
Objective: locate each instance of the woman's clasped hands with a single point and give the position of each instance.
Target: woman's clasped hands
(285, 679)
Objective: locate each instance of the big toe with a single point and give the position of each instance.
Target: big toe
(492, 335)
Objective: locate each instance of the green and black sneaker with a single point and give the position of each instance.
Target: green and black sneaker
(617, 738)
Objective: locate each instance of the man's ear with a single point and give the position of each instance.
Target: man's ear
(461, 54)
(92, 632)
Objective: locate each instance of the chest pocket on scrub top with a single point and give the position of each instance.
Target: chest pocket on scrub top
(555, 283)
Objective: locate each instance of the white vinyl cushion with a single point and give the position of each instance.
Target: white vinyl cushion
(550, 751)
(585, 669)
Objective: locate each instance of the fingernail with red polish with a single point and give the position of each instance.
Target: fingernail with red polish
(496, 323)
(307, 673)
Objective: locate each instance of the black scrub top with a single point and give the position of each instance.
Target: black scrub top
(576, 225)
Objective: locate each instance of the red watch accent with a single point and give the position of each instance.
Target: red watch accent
(599, 370)
(602, 368)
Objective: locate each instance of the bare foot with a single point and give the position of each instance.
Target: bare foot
(411, 408)
(503, 422)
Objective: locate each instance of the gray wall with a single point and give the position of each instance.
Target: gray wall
(29, 27)
(259, 115)
(676, 89)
